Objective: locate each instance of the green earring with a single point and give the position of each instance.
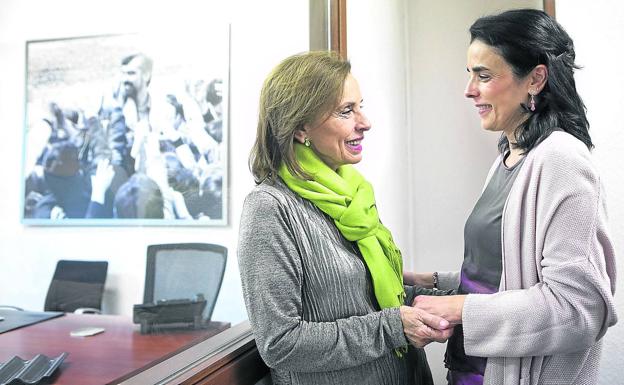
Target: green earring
(306, 142)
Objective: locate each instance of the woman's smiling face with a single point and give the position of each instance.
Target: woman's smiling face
(337, 138)
(496, 92)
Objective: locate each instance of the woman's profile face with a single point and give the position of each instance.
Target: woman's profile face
(337, 138)
(496, 93)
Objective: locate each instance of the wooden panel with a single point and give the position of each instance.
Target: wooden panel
(328, 26)
(234, 360)
(549, 8)
(245, 369)
(228, 356)
(339, 27)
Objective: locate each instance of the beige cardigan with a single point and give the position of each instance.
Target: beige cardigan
(556, 293)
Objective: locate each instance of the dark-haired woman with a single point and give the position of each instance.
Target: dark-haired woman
(537, 282)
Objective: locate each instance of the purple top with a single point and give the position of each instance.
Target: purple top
(481, 269)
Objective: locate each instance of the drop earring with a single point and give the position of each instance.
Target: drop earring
(532, 102)
(306, 142)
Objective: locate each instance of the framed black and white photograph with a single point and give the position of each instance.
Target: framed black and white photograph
(126, 130)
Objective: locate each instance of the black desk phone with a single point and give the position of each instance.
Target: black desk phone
(170, 313)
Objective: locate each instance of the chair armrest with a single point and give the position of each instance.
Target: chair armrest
(87, 310)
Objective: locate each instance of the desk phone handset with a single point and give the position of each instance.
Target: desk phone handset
(166, 313)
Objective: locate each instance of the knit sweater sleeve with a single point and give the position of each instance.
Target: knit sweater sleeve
(272, 280)
(557, 237)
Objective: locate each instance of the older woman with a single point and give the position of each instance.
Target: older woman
(322, 277)
(538, 276)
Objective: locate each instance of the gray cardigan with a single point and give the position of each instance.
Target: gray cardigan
(309, 297)
(556, 292)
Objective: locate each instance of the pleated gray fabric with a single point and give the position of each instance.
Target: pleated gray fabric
(310, 299)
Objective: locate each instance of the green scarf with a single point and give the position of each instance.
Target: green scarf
(348, 199)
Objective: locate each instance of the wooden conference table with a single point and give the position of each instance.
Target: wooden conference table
(109, 357)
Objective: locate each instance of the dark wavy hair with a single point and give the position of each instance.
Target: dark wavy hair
(526, 38)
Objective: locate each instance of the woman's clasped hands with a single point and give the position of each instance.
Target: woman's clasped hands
(421, 327)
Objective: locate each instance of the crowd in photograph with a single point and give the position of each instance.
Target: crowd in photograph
(138, 156)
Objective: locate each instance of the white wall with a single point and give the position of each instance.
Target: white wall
(377, 54)
(28, 254)
(597, 28)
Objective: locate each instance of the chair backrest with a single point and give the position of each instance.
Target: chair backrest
(76, 284)
(183, 270)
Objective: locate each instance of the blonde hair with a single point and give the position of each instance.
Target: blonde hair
(300, 90)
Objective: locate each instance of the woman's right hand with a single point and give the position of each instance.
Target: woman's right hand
(421, 327)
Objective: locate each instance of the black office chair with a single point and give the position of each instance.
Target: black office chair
(184, 270)
(77, 286)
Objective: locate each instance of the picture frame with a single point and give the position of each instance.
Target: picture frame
(126, 129)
